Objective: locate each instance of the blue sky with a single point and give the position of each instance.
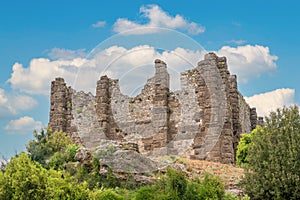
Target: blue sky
(40, 40)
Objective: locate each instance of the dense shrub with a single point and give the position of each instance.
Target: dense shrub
(174, 185)
(60, 158)
(26, 179)
(107, 194)
(208, 188)
(146, 193)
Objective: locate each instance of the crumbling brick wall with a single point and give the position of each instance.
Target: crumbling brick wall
(203, 120)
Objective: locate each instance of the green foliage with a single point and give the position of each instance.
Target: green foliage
(84, 174)
(50, 171)
(212, 187)
(229, 196)
(23, 179)
(242, 148)
(111, 180)
(46, 144)
(209, 188)
(60, 158)
(146, 193)
(26, 179)
(174, 185)
(274, 158)
(107, 194)
(62, 186)
(79, 110)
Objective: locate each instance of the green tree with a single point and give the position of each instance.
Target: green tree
(25, 179)
(46, 144)
(273, 171)
(243, 146)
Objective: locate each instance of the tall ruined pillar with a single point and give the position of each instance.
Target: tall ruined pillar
(103, 104)
(60, 106)
(235, 110)
(104, 110)
(226, 138)
(215, 141)
(253, 118)
(260, 121)
(160, 112)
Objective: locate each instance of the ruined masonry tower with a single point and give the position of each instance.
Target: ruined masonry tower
(203, 120)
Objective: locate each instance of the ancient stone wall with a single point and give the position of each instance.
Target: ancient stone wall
(60, 106)
(203, 120)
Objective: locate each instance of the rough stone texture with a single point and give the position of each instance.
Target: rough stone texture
(253, 118)
(84, 124)
(128, 161)
(203, 120)
(123, 158)
(83, 154)
(61, 106)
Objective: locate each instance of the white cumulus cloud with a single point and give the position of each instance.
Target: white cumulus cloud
(23, 125)
(238, 42)
(249, 61)
(67, 54)
(133, 66)
(116, 62)
(11, 104)
(36, 78)
(22, 102)
(270, 101)
(99, 24)
(3, 98)
(157, 18)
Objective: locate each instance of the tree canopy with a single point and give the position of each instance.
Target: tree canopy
(273, 170)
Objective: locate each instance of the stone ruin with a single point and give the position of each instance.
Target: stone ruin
(203, 120)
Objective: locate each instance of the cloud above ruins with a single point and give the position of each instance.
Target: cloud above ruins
(249, 61)
(116, 62)
(66, 54)
(156, 19)
(270, 101)
(122, 63)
